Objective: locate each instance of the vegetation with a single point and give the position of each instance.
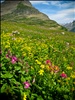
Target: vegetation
(37, 63)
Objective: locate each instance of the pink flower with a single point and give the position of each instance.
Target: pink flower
(14, 59)
(27, 84)
(48, 62)
(63, 75)
(7, 56)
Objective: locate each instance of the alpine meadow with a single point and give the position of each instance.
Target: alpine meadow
(37, 55)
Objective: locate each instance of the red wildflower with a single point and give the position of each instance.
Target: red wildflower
(63, 75)
(48, 62)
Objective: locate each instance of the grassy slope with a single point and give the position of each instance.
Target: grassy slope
(42, 34)
(42, 31)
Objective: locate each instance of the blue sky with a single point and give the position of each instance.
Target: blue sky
(60, 11)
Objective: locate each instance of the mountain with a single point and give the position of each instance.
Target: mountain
(70, 26)
(23, 11)
(21, 8)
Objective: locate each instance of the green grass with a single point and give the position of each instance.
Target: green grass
(42, 31)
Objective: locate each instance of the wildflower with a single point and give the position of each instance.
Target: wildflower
(24, 98)
(42, 66)
(63, 75)
(72, 76)
(51, 68)
(24, 54)
(48, 62)
(56, 69)
(68, 78)
(7, 56)
(69, 68)
(38, 62)
(41, 72)
(32, 68)
(59, 81)
(27, 84)
(14, 59)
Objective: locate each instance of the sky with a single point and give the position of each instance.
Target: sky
(61, 11)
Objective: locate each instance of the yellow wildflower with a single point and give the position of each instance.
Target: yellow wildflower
(68, 78)
(32, 67)
(38, 62)
(72, 76)
(59, 81)
(42, 66)
(7, 46)
(24, 98)
(41, 72)
(24, 54)
(69, 68)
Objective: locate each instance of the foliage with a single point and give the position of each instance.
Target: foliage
(36, 63)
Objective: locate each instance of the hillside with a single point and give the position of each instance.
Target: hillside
(37, 56)
(23, 11)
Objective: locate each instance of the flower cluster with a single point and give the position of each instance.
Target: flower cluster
(34, 67)
(52, 68)
(13, 58)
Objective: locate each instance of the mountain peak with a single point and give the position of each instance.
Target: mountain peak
(23, 11)
(70, 26)
(23, 7)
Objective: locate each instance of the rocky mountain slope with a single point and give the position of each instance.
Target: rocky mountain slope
(70, 26)
(23, 11)
(21, 8)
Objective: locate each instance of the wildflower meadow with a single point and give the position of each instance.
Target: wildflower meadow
(36, 63)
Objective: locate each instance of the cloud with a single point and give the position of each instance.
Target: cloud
(63, 16)
(55, 3)
(40, 2)
(60, 11)
(62, 4)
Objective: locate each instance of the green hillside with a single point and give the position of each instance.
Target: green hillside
(36, 62)
(37, 58)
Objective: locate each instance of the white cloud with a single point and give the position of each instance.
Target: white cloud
(63, 16)
(62, 5)
(40, 2)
